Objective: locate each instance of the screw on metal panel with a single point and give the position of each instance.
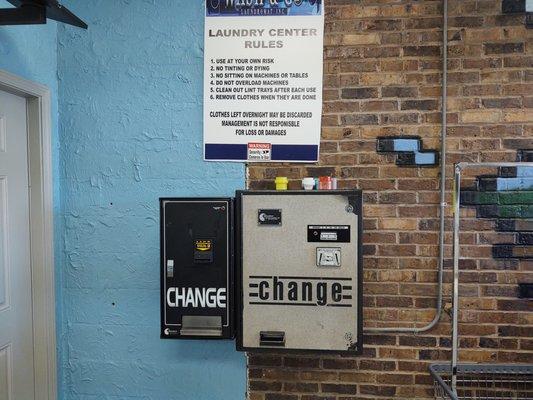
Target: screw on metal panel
(349, 208)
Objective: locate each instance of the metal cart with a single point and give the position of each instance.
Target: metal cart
(483, 382)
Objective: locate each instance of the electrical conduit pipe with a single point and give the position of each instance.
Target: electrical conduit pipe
(443, 204)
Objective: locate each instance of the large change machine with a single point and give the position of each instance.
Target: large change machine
(299, 261)
(297, 270)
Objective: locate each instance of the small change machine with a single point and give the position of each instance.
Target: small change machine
(299, 270)
(197, 268)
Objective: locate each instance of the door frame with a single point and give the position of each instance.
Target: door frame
(41, 229)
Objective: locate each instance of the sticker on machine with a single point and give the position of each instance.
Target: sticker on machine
(259, 151)
(269, 217)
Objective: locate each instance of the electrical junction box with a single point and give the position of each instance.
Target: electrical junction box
(299, 270)
(197, 268)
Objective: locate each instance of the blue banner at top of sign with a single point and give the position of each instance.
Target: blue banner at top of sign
(260, 8)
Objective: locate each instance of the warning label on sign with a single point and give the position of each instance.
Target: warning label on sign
(259, 151)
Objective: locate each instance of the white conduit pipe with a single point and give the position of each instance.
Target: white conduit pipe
(443, 204)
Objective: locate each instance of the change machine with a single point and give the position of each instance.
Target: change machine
(197, 268)
(299, 270)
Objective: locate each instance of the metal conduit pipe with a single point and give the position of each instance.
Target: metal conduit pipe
(443, 204)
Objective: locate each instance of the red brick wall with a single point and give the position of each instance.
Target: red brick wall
(382, 77)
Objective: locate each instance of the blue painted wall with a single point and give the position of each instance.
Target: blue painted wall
(130, 112)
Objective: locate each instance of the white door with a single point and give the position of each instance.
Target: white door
(16, 331)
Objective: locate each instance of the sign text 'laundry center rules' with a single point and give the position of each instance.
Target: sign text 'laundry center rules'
(263, 80)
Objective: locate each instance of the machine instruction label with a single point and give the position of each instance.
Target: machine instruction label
(263, 74)
(328, 233)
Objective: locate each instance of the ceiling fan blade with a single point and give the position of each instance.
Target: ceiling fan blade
(62, 14)
(54, 11)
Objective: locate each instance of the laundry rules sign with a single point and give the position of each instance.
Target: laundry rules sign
(263, 80)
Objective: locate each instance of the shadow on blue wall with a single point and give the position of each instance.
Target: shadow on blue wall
(30, 51)
(11, 57)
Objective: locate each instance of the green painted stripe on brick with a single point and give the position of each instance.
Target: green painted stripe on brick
(503, 198)
(487, 198)
(523, 197)
(515, 211)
